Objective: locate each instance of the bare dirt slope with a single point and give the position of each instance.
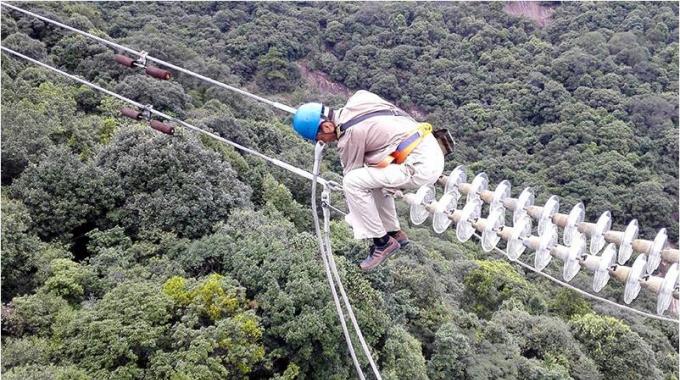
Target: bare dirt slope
(322, 83)
(540, 14)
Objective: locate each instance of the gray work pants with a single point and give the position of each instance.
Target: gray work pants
(371, 213)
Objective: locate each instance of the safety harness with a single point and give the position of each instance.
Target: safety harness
(405, 147)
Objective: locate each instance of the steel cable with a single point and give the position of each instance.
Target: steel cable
(329, 263)
(334, 270)
(279, 163)
(274, 104)
(329, 276)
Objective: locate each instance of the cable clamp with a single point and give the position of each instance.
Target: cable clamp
(146, 112)
(326, 198)
(141, 61)
(332, 185)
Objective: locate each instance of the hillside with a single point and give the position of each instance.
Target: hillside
(130, 254)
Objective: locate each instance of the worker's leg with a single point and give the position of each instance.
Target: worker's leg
(371, 215)
(386, 210)
(364, 212)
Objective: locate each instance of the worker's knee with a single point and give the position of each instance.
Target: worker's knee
(350, 180)
(353, 180)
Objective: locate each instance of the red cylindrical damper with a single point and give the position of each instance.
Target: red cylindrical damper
(131, 113)
(158, 73)
(124, 60)
(161, 127)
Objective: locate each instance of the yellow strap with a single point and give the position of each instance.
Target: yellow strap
(424, 129)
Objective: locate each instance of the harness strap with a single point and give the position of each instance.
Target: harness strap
(406, 147)
(358, 119)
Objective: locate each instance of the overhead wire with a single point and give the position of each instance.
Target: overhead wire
(277, 105)
(277, 162)
(329, 276)
(326, 202)
(580, 291)
(274, 104)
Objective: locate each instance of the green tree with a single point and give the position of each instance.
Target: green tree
(20, 250)
(495, 282)
(39, 372)
(170, 183)
(65, 195)
(567, 304)
(165, 96)
(275, 72)
(69, 280)
(121, 331)
(221, 304)
(617, 351)
(452, 351)
(402, 356)
(281, 198)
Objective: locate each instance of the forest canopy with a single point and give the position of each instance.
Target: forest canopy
(129, 254)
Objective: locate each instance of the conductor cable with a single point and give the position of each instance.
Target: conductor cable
(277, 162)
(325, 196)
(580, 291)
(274, 104)
(324, 257)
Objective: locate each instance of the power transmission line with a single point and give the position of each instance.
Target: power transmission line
(277, 105)
(331, 270)
(274, 104)
(277, 162)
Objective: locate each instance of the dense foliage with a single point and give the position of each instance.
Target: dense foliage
(128, 254)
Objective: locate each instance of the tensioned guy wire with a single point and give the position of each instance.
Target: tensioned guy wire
(274, 104)
(280, 106)
(284, 165)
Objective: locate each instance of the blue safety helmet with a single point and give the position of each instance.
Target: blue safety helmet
(307, 120)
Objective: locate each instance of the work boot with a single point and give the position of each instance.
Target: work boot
(378, 254)
(401, 237)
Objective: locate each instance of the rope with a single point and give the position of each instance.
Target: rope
(329, 251)
(274, 104)
(325, 257)
(279, 163)
(582, 292)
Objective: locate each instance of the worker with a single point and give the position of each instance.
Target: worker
(380, 147)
